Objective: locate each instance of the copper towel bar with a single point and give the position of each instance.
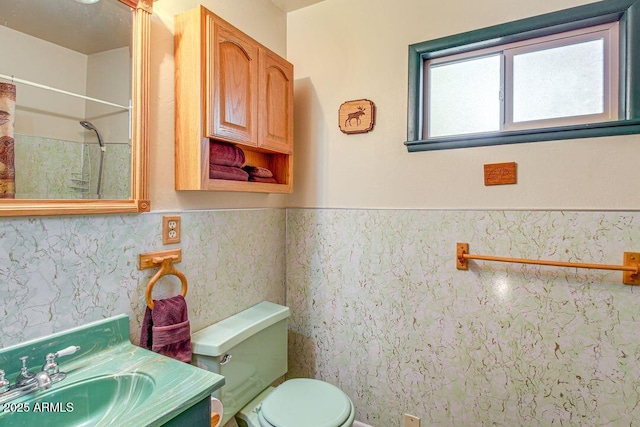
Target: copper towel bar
(630, 268)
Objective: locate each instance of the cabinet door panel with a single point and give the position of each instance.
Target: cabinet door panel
(276, 102)
(233, 88)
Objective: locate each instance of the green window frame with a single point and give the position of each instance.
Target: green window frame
(626, 12)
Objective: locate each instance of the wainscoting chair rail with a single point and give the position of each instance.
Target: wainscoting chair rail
(630, 267)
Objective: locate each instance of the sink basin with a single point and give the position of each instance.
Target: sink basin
(92, 402)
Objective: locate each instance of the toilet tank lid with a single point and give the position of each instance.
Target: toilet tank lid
(217, 339)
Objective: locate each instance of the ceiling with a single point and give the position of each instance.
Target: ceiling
(291, 5)
(85, 28)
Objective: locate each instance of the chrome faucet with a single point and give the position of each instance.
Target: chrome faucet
(27, 382)
(51, 367)
(4, 384)
(25, 377)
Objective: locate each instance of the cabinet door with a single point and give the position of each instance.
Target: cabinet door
(276, 103)
(232, 79)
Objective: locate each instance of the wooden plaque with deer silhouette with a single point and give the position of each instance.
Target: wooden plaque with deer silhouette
(356, 116)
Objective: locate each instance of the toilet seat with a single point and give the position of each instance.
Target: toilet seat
(304, 402)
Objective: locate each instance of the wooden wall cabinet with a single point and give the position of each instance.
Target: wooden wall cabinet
(230, 88)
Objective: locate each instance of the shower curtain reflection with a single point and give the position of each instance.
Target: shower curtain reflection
(7, 117)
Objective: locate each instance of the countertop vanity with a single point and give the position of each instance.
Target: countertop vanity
(109, 381)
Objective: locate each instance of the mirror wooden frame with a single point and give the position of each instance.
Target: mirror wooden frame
(139, 199)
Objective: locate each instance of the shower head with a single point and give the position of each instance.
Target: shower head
(89, 126)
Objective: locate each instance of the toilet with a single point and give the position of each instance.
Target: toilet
(250, 350)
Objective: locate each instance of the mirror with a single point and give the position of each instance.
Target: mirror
(74, 106)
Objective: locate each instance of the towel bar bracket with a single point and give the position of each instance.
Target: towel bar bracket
(630, 268)
(153, 259)
(629, 277)
(462, 263)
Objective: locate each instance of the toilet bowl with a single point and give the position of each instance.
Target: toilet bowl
(250, 350)
(306, 402)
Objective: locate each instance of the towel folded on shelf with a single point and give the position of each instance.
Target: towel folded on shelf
(260, 174)
(265, 180)
(227, 172)
(258, 171)
(225, 154)
(166, 330)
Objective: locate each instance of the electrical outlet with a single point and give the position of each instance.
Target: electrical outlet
(411, 421)
(170, 229)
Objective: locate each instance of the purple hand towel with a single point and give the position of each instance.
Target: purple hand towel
(225, 154)
(227, 172)
(265, 180)
(165, 329)
(258, 171)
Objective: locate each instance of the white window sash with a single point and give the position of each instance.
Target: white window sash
(609, 32)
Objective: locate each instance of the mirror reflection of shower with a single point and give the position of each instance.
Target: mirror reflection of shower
(89, 126)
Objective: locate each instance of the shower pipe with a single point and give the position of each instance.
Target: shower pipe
(53, 89)
(630, 267)
(89, 126)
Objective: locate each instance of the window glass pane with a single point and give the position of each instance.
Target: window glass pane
(464, 96)
(545, 81)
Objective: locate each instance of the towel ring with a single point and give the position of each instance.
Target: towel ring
(166, 268)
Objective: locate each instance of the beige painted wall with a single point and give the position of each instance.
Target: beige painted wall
(260, 19)
(40, 112)
(112, 123)
(344, 50)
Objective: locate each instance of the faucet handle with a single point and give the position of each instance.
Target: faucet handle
(4, 383)
(51, 366)
(24, 377)
(67, 351)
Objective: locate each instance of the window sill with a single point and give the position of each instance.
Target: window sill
(593, 130)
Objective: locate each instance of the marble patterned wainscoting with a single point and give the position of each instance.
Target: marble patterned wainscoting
(49, 168)
(379, 309)
(60, 272)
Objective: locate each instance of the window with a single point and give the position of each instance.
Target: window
(563, 75)
(564, 79)
(464, 96)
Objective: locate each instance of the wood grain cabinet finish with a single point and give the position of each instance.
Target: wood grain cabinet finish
(232, 101)
(230, 88)
(276, 102)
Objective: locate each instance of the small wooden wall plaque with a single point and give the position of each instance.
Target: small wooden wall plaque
(500, 174)
(356, 116)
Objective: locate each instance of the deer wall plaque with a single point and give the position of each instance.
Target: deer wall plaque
(356, 116)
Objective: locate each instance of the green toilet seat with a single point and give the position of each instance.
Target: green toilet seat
(304, 402)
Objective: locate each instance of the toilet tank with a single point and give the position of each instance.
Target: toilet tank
(249, 349)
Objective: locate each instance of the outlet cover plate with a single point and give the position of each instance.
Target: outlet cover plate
(170, 229)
